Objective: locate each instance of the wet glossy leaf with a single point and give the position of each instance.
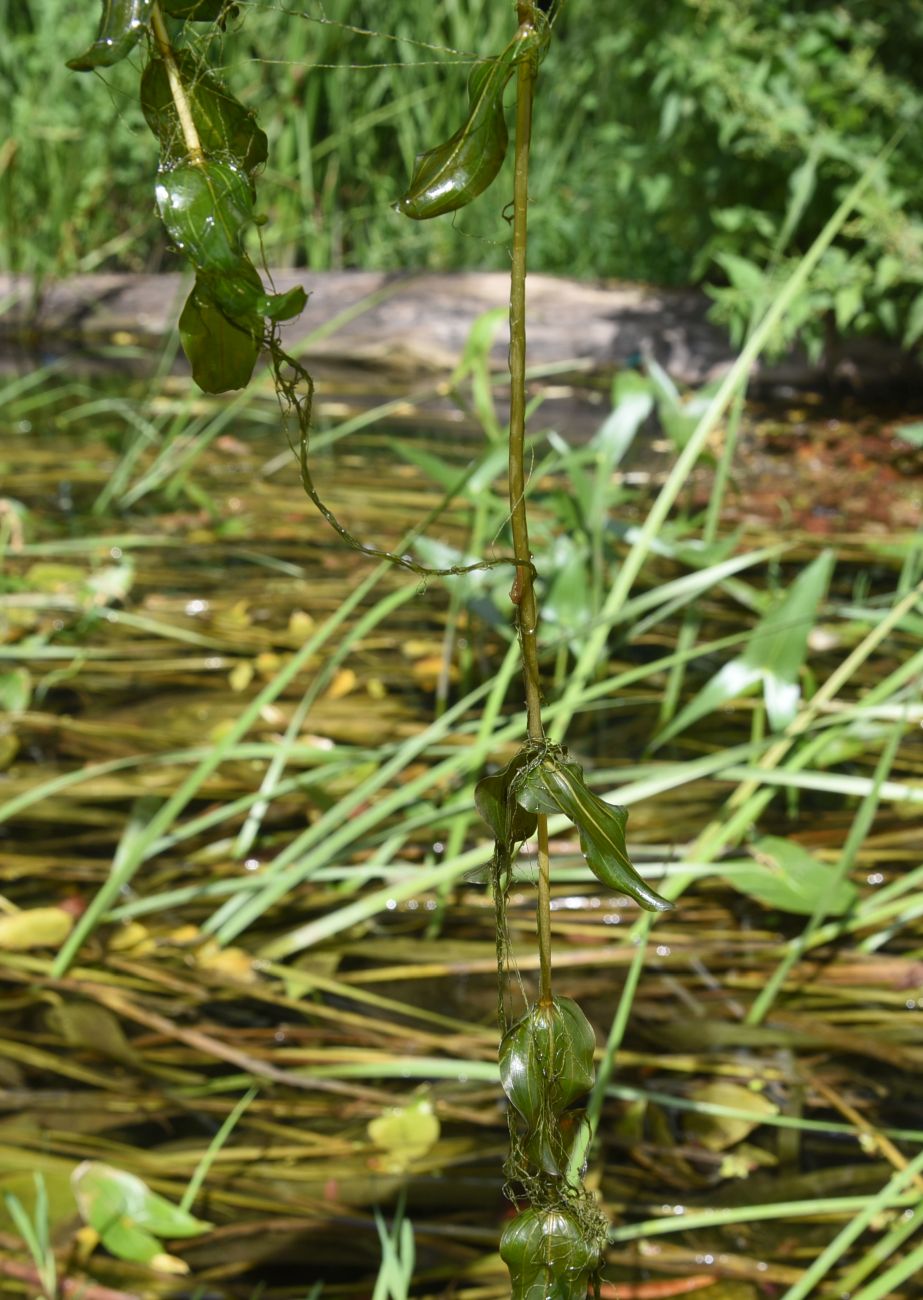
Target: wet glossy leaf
(120, 29)
(546, 1059)
(221, 351)
(558, 786)
(775, 655)
(226, 129)
(35, 927)
(206, 208)
(507, 819)
(455, 173)
(128, 1216)
(783, 875)
(548, 1256)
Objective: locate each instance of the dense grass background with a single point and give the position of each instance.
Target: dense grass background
(676, 142)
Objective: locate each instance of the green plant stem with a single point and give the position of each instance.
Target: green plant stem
(180, 99)
(523, 593)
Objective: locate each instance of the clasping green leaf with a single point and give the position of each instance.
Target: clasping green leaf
(558, 786)
(549, 1255)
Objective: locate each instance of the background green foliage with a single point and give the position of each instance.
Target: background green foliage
(680, 141)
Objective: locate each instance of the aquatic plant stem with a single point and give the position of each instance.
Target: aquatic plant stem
(523, 592)
(177, 90)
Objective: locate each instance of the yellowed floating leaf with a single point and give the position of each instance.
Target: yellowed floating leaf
(164, 1263)
(419, 649)
(404, 1134)
(9, 748)
(132, 937)
(184, 936)
(428, 671)
(343, 682)
(268, 663)
(718, 1132)
(240, 676)
(300, 623)
(235, 963)
(35, 927)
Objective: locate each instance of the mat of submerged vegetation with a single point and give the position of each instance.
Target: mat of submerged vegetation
(239, 856)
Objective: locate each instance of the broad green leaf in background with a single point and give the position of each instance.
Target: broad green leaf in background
(129, 1217)
(783, 875)
(120, 29)
(548, 1255)
(632, 403)
(15, 690)
(775, 655)
(227, 130)
(568, 602)
(558, 786)
(455, 173)
(679, 416)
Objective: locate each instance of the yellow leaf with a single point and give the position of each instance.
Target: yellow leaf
(37, 927)
(268, 663)
(429, 670)
(165, 1263)
(344, 681)
(233, 962)
(718, 1132)
(132, 937)
(240, 676)
(300, 623)
(405, 1133)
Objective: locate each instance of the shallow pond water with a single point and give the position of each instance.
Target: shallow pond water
(182, 717)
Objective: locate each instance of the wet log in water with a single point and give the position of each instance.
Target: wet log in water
(419, 322)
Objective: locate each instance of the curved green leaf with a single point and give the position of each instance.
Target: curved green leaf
(107, 1196)
(493, 797)
(558, 786)
(221, 351)
(548, 1255)
(226, 129)
(455, 173)
(120, 29)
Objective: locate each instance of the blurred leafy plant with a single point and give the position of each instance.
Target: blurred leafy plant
(772, 110)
